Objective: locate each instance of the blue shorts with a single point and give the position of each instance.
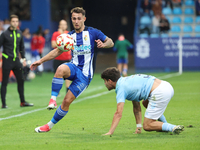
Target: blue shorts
(79, 81)
(122, 61)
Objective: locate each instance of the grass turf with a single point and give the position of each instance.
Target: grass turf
(91, 115)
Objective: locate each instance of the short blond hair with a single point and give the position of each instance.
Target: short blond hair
(78, 10)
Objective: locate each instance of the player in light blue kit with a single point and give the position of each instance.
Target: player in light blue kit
(81, 68)
(156, 93)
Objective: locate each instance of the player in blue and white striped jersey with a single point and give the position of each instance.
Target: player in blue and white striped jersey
(81, 68)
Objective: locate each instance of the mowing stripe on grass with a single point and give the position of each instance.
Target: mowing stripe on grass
(82, 99)
(77, 101)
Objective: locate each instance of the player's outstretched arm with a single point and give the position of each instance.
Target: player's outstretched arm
(108, 43)
(51, 55)
(138, 116)
(116, 118)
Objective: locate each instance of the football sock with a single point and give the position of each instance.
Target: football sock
(56, 86)
(162, 119)
(59, 114)
(125, 71)
(167, 127)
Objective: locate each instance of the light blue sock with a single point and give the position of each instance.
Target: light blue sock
(56, 86)
(162, 119)
(59, 114)
(168, 127)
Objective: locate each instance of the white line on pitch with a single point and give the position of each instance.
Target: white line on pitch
(169, 76)
(76, 101)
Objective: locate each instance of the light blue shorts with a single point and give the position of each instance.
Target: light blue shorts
(79, 81)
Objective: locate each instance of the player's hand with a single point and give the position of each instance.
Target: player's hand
(138, 130)
(35, 64)
(100, 44)
(24, 63)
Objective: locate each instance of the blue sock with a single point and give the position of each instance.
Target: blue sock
(167, 127)
(56, 86)
(162, 119)
(59, 114)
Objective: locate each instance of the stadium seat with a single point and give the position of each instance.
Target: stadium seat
(175, 29)
(187, 35)
(197, 28)
(164, 35)
(177, 11)
(189, 11)
(197, 35)
(187, 28)
(167, 11)
(154, 35)
(197, 19)
(188, 20)
(145, 20)
(174, 35)
(189, 3)
(144, 35)
(176, 20)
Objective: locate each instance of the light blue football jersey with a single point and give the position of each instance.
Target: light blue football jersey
(83, 54)
(134, 88)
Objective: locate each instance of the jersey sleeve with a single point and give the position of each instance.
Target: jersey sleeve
(22, 49)
(100, 35)
(121, 95)
(1, 39)
(54, 37)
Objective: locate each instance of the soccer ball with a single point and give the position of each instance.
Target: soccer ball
(64, 42)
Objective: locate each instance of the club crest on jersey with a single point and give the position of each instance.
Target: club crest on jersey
(85, 38)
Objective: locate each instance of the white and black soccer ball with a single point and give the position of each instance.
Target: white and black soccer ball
(65, 42)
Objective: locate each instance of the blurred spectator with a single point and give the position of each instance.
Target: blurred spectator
(157, 7)
(35, 52)
(197, 6)
(146, 7)
(145, 29)
(164, 24)
(176, 2)
(6, 24)
(168, 3)
(27, 43)
(41, 43)
(155, 23)
(121, 46)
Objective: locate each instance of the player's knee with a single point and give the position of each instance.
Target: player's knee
(62, 70)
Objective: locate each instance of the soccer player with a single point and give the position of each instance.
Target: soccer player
(136, 88)
(121, 46)
(80, 70)
(65, 56)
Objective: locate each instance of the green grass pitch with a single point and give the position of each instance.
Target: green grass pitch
(91, 115)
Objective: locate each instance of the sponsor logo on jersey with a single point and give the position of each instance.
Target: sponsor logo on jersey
(82, 49)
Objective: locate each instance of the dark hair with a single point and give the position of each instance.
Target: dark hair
(13, 16)
(78, 10)
(111, 73)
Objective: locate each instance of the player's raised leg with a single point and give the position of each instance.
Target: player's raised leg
(59, 114)
(63, 71)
